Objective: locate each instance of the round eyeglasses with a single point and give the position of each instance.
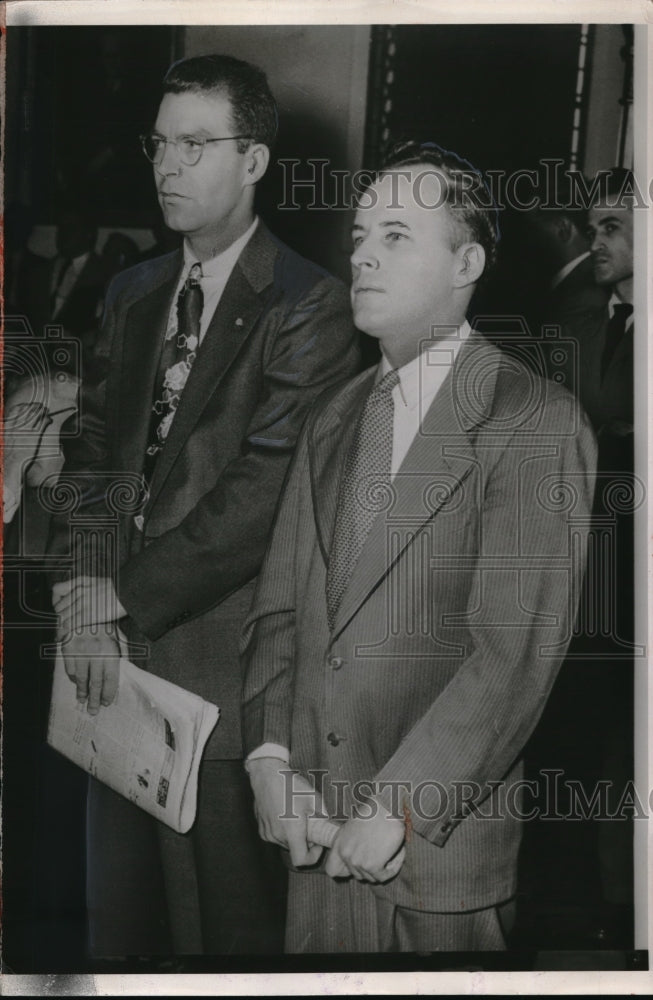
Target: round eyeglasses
(189, 147)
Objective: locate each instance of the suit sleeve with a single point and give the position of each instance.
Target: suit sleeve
(268, 641)
(220, 544)
(86, 476)
(477, 727)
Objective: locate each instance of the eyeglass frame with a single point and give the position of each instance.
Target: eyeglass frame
(201, 141)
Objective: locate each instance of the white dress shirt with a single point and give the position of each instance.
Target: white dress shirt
(419, 382)
(215, 275)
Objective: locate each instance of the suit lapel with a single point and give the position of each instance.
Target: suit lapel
(437, 463)
(238, 311)
(328, 450)
(145, 325)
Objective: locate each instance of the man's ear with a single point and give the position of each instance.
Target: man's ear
(470, 264)
(257, 158)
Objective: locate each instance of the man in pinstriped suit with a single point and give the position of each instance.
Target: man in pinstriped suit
(393, 690)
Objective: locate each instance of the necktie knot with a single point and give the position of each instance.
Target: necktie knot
(386, 386)
(189, 309)
(194, 277)
(623, 310)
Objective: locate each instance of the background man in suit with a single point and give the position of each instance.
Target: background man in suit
(561, 248)
(606, 390)
(605, 333)
(78, 276)
(411, 613)
(206, 364)
(68, 289)
(597, 744)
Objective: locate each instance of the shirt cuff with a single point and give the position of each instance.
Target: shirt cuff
(270, 750)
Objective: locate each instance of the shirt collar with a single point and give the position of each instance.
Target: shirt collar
(420, 379)
(222, 263)
(613, 301)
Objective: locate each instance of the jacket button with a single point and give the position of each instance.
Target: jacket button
(335, 662)
(333, 739)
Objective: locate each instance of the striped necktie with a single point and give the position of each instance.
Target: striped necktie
(367, 469)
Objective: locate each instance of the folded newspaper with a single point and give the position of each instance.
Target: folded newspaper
(147, 745)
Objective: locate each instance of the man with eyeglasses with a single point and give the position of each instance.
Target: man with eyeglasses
(208, 360)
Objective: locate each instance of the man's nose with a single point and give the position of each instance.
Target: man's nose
(596, 241)
(169, 163)
(364, 256)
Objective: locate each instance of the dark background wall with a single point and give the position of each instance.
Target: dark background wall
(502, 95)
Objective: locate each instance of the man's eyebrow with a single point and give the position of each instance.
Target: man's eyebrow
(196, 133)
(388, 224)
(609, 218)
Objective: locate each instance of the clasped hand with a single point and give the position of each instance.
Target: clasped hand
(369, 849)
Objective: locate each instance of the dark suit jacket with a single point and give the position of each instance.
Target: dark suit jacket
(281, 334)
(577, 293)
(453, 625)
(608, 400)
(78, 315)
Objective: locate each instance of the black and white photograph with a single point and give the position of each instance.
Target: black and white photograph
(326, 545)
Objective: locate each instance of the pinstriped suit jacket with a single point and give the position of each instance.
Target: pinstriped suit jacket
(454, 624)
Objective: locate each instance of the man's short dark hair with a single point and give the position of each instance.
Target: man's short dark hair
(253, 108)
(467, 196)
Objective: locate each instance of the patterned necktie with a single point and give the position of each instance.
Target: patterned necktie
(614, 333)
(367, 468)
(179, 353)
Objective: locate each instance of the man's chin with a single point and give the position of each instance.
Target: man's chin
(603, 276)
(172, 218)
(368, 329)
(174, 224)
(366, 323)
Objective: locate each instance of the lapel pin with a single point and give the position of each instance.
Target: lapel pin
(239, 321)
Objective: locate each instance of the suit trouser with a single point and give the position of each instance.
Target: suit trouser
(215, 890)
(325, 915)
